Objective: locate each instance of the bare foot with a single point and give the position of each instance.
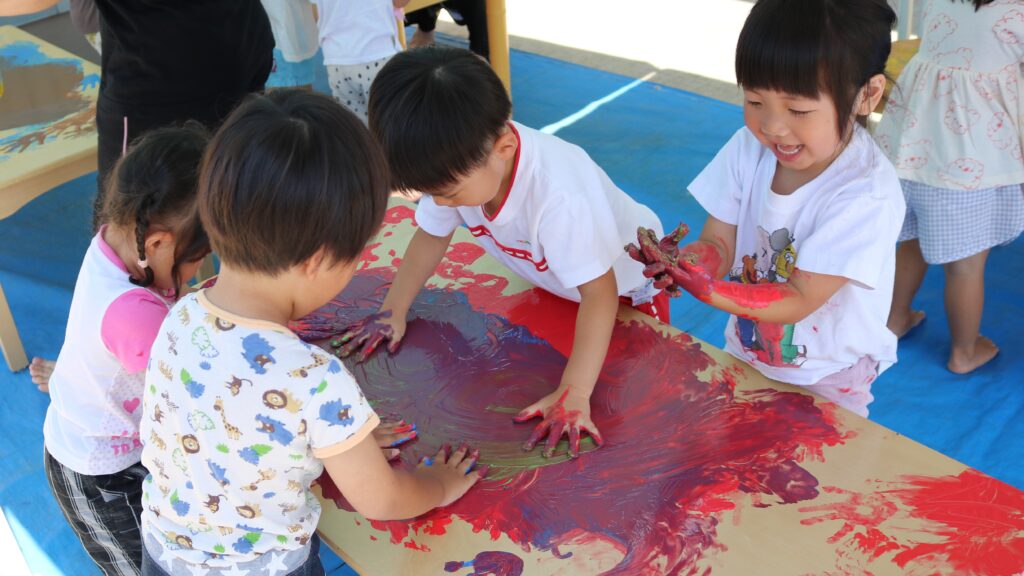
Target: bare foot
(40, 370)
(421, 39)
(961, 362)
(901, 326)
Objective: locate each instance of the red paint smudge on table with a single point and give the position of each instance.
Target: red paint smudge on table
(367, 258)
(467, 353)
(412, 545)
(398, 214)
(964, 524)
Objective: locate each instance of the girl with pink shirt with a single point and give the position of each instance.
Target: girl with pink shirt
(151, 243)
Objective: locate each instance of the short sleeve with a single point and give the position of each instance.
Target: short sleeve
(580, 239)
(721, 184)
(853, 236)
(436, 220)
(130, 326)
(337, 415)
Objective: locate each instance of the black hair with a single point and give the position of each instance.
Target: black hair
(979, 3)
(810, 47)
(287, 174)
(153, 187)
(436, 112)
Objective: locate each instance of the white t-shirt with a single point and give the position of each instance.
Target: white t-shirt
(92, 423)
(562, 224)
(294, 28)
(357, 31)
(843, 223)
(956, 119)
(238, 415)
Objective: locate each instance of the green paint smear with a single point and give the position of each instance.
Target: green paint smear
(296, 456)
(223, 448)
(261, 449)
(219, 549)
(321, 387)
(253, 537)
(282, 538)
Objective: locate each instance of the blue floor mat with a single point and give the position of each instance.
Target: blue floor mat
(652, 141)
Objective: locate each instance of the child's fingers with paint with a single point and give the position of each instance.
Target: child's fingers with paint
(563, 414)
(367, 334)
(392, 435)
(456, 471)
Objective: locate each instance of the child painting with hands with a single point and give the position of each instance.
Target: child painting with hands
(804, 208)
(240, 416)
(537, 204)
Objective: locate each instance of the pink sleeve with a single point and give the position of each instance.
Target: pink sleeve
(130, 326)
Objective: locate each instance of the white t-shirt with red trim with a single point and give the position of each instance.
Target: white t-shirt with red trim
(92, 423)
(563, 222)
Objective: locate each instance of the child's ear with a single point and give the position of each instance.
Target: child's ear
(313, 265)
(156, 241)
(506, 144)
(871, 94)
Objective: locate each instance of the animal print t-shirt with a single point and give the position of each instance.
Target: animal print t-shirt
(238, 415)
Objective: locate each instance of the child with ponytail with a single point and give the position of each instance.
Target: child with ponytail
(151, 242)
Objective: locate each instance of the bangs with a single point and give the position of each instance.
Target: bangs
(783, 49)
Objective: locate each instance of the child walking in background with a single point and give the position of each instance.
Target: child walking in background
(357, 38)
(953, 129)
(804, 209)
(150, 243)
(240, 415)
(539, 205)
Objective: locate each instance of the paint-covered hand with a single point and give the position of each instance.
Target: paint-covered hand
(660, 257)
(563, 413)
(391, 435)
(690, 277)
(367, 334)
(455, 471)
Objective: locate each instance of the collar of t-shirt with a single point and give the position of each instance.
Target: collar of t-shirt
(517, 182)
(843, 169)
(238, 320)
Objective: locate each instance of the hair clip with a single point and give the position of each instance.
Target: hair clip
(143, 264)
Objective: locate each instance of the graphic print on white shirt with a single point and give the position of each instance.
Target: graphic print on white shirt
(842, 223)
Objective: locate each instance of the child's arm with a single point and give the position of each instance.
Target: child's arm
(698, 267)
(380, 492)
(421, 258)
(567, 409)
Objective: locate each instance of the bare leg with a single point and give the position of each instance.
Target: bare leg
(965, 300)
(421, 39)
(910, 270)
(40, 370)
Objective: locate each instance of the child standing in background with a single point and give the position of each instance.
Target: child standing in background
(953, 127)
(804, 209)
(240, 415)
(357, 38)
(537, 204)
(150, 243)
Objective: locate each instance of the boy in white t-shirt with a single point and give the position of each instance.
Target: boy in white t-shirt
(804, 208)
(538, 204)
(357, 38)
(239, 415)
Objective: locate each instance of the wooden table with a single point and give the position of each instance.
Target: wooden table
(47, 135)
(497, 35)
(708, 467)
